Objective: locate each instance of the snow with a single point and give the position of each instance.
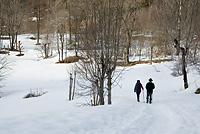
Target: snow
(173, 111)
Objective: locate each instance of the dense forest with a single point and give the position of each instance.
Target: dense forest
(106, 33)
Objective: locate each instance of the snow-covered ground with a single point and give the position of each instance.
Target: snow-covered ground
(173, 111)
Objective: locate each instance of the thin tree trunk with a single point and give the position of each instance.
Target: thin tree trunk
(38, 25)
(184, 68)
(101, 91)
(74, 87)
(58, 47)
(128, 48)
(62, 47)
(70, 27)
(45, 51)
(16, 40)
(151, 59)
(12, 41)
(19, 46)
(109, 88)
(97, 95)
(70, 87)
(76, 51)
(62, 42)
(140, 54)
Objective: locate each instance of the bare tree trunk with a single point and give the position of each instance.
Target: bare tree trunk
(19, 46)
(101, 91)
(179, 28)
(76, 23)
(128, 48)
(74, 87)
(70, 26)
(62, 42)
(97, 95)
(16, 40)
(184, 68)
(184, 72)
(58, 46)
(12, 47)
(38, 25)
(151, 59)
(62, 48)
(140, 52)
(45, 51)
(109, 88)
(70, 87)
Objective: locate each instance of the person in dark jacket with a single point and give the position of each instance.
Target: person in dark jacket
(137, 89)
(150, 86)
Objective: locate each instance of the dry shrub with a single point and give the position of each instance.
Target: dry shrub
(197, 91)
(71, 59)
(33, 38)
(4, 52)
(34, 94)
(20, 55)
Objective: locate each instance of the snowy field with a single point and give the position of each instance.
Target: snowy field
(173, 111)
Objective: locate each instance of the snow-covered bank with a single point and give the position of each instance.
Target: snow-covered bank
(173, 111)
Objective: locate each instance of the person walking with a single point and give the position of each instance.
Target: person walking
(137, 89)
(149, 86)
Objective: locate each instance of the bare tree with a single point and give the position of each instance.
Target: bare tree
(194, 52)
(59, 15)
(12, 17)
(101, 41)
(129, 19)
(93, 68)
(62, 40)
(38, 17)
(74, 9)
(46, 47)
(112, 40)
(39, 10)
(178, 20)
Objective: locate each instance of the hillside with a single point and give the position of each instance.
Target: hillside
(173, 111)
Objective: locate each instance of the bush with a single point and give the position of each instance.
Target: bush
(71, 59)
(34, 94)
(33, 38)
(177, 69)
(197, 91)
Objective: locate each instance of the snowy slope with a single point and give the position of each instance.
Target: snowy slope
(173, 111)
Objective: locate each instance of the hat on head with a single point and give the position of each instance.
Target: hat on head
(150, 79)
